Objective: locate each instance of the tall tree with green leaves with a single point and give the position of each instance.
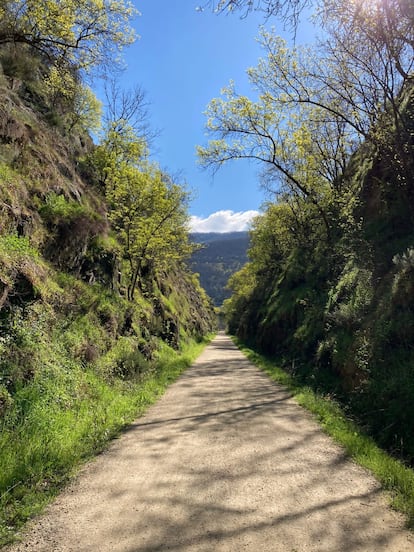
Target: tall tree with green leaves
(147, 208)
(300, 150)
(149, 214)
(353, 78)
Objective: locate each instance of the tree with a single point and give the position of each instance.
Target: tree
(146, 206)
(297, 155)
(316, 105)
(372, 46)
(77, 102)
(237, 308)
(288, 10)
(357, 72)
(386, 25)
(392, 18)
(81, 34)
(87, 112)
(120, 147)
(272, 237)
(148, 212)
(127, 108)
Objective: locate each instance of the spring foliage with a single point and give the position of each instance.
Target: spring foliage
(147, 209)
(96, 304)
(81, 34)
(329, 285)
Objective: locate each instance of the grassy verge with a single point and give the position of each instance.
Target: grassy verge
(393, 475)
(66, 415)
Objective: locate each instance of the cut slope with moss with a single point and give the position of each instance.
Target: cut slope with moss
(78, 359)
(339, 312)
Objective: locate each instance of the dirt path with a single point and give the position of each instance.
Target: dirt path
(225, 461)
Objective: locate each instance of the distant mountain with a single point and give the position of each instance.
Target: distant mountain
(221, 256)
(207, 237)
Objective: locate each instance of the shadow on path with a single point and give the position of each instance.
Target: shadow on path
(225, 461)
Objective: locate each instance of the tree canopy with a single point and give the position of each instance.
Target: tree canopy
(81, 34)
(313, 106)
(148, 212)
(147, 208)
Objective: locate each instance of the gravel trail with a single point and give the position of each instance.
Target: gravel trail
(225, 461)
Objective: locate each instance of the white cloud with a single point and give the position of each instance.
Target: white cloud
(223, 221)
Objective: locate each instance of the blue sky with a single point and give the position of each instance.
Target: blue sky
(182, 60)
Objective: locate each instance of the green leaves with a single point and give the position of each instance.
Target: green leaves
(83, 34)
(147, 209)
(294, 130)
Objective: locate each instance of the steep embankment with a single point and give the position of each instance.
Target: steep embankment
(78, 359)
(339, 308)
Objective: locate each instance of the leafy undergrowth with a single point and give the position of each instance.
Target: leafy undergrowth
(65, 415)
(393, 475)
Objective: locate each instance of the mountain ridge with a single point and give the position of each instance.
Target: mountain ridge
(221, 255)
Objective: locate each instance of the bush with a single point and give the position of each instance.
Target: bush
(58, 209)
(124, 360)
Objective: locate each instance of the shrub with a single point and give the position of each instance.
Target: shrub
(124, 360)
(57, 209)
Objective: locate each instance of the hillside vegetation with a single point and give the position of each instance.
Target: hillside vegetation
(219, 257)
(329, 288)
(98, 311)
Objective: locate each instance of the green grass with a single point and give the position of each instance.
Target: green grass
(64, 416)
(393, 475)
